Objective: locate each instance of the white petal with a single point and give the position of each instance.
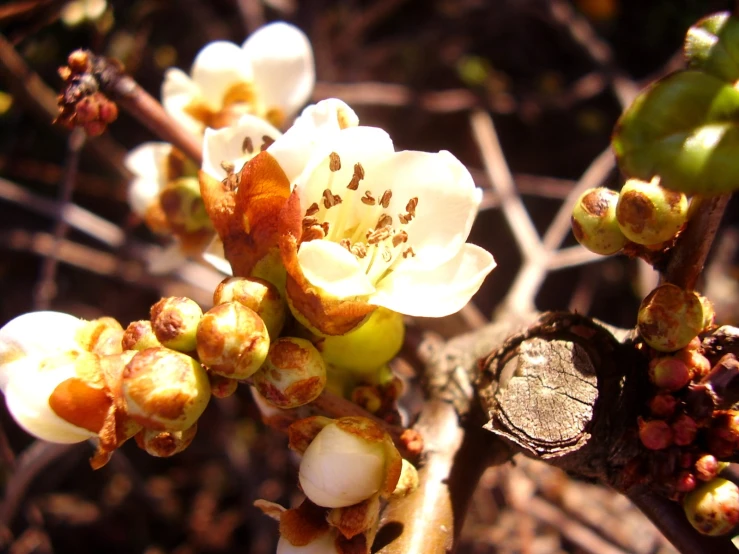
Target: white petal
(27, 397)
(36, 334)
(437, 292)
(325, 544)
(178, 92)
(333, 268)
(282, 63)
(148, 162)
(447, 201)
(227, 144)
(218, 67)
(339, 468)
(353, 145)
(215, 257)
(293, 150)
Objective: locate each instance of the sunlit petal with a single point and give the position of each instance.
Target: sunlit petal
(218, 67)
(179, 92)
(332, 268)
(148, 162)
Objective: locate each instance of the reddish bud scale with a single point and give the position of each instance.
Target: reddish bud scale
(684, 430)
(663, 405)
(655, 434)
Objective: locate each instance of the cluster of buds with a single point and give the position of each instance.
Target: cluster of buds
(81, 103)
(348, 466)
(642, 219)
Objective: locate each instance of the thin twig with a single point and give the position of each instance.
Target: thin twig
(45, 289)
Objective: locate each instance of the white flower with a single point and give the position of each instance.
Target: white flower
(76, 12)
(35, 358)
(271, 75)
(387, 228)
(340, 468)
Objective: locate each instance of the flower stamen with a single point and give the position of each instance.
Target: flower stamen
(359, 249)
(247, 145)
(409, 252)
(385, 200)
(368, 199)
(334, 163)
(330, 200)
(399, 238)
(266, 143)
(356, 177)
(378, 235)
(312, 210)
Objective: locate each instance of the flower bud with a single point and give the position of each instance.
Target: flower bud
(293, 374)
(706, 467)
(655, 434)
(175, 322)
(347, 462)
(164, 389)
(352, 520)
(669, 318)
(257, 294)
(408, 481)
(139, 335)
(684, 430)
(697, 363)
(222, 387)
(685, 482)
(663, 405)
(232, 340)
(368, 347)
(594, 221)
(324, 544)
(649, 214)
(669, 373)
(163, 444)
(709, 313)
(101, 336)
(713, 508)
(368, 397)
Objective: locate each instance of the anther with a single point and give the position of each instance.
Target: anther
(359, 250)
(384, 221)
(368, 199)
(358, 176)
(309, 221)
(385, 200)
(247, 145)
(266, 143)
(411, 206)
(346, 243)
(312, 209)
(399, 238)
(409, 252)
(379, 235)
(312, 233)
(404, 218)
(334, 163)
(330, 200)
(227, 167)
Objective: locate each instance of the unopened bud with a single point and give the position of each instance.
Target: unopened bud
(684, 430)
(706, 467)
(408, 481)
(175, 322)
(165, 389)
(347, 462)
(669, 318)
(368, 347)
(649, 214)
(669, 373)
(352, 520)
(594, 221)
(713, 508)
(655, 434)
(257, 294)
(709, 313)
(222, 387)
(697, 363)
(163, 444)
(685, 482)
(663, 405)
(293, 374)
(183, 206)
(139, 336)
(232, 340)
(101, 336)
(367, 397)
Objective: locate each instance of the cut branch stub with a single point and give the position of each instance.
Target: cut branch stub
(554, 391)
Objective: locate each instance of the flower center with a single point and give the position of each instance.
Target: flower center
(239, 99)
(361, 222)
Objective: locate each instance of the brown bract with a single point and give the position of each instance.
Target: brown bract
(304, 524)
(246, 218)
(328, 314)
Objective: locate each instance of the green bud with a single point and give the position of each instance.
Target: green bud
(594, 221)
(139, 335)
(164, 389)
(713, 508)
(257, 294)
(293, 374)
(163, 444)
(175, 321)
(684, 129)
(669, 318)
(712, 45)
(183, 205)
(368, 347)
(232, 340)
(649, 214)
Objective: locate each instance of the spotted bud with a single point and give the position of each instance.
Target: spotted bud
(655, 434)
(293, 374)
(368, 397)
(594, 221)
(706, 467)
(713, 508)
(183, 206)
(232, 340)
(684, 430)
(175, 322)
(663, 405)
(669, 373)
(222, 387)
(649, 214)
(349, 461)
(685, 482)
(669, 318)
(163, 444)
(257, 294)
(101, 336)
(164, 389)
(139, 335)
(369, 347)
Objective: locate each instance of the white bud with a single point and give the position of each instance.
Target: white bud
(340, 468)
(325, 544)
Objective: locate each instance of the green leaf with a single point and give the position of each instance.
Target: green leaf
(684, 128)
(712, 45)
